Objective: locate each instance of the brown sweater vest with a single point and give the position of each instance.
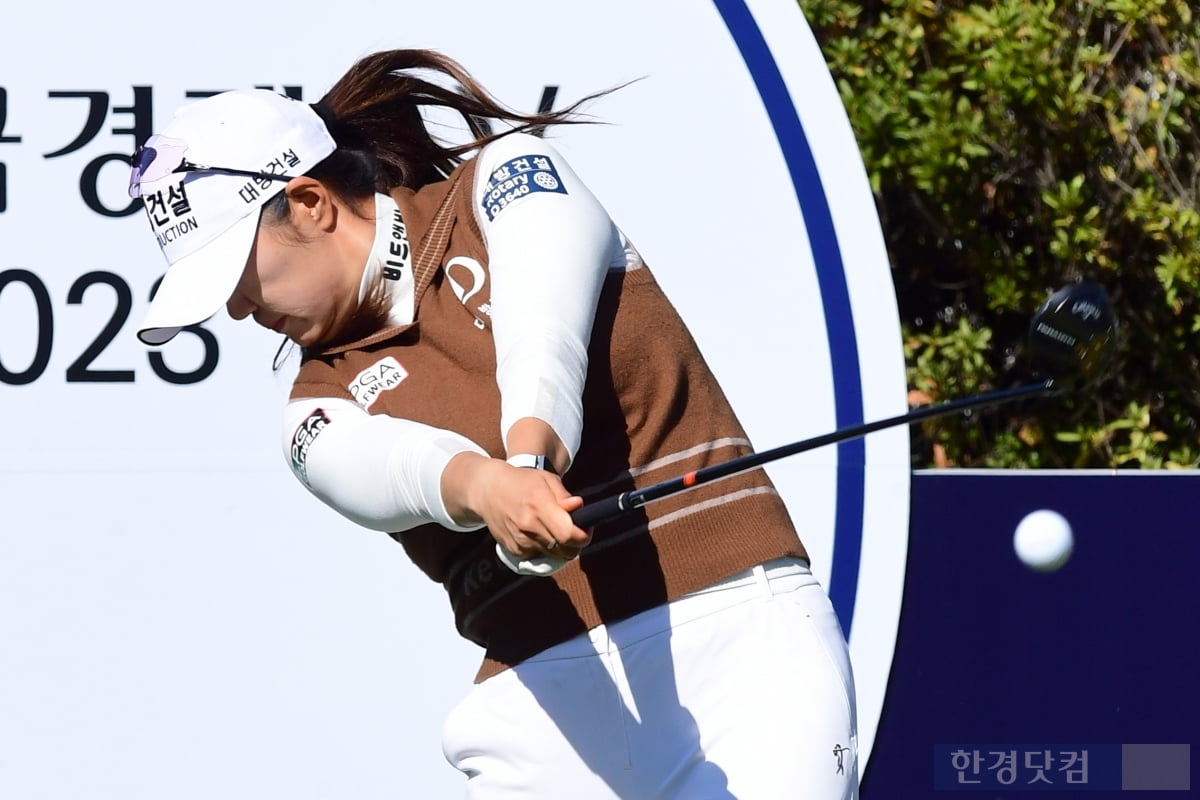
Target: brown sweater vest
(652, 411)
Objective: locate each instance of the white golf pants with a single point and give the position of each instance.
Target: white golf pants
(740, 690)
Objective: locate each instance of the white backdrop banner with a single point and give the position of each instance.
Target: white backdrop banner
(178, 618)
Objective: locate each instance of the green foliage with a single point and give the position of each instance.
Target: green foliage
(1014, 147)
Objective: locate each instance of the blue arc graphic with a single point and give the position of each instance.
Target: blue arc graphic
(835, 299)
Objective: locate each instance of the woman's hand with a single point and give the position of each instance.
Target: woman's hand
(526, 510)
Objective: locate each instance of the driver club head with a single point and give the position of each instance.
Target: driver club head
(1073, 335)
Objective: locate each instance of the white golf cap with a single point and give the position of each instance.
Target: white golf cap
(206, 220)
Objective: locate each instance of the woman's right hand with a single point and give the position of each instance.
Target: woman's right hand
(526, 510)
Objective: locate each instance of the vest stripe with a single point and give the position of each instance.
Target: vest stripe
(665, 461)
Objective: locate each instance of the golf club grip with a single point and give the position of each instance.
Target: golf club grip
(599, 511)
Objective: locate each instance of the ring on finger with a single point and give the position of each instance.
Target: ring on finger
(553, 543)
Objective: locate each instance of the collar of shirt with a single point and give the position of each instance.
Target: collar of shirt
(390, 260)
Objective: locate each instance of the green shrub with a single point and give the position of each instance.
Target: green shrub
(1014, 147)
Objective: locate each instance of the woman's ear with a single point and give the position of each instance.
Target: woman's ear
(311, 206)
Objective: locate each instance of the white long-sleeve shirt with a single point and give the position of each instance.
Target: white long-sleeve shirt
(548, 254)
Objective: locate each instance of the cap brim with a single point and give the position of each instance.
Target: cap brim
(196, 286)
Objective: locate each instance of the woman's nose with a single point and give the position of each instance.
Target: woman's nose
(239, 307)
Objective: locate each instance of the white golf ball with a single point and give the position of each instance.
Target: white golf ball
(1043, 540)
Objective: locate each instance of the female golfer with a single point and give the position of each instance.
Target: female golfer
(483, 352)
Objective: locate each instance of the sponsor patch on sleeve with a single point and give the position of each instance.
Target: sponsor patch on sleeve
(306, 433)
(519, 178)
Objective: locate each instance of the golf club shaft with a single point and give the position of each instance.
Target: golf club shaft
(611, 507)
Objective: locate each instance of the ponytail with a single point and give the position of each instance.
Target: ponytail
(374, 113)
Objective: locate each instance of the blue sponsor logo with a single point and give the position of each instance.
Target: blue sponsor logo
(519, 178)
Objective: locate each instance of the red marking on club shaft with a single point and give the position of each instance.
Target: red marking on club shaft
(689, 479)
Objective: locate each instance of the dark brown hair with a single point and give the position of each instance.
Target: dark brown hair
(377, 104)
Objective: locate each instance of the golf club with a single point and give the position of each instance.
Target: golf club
(1072, 339)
